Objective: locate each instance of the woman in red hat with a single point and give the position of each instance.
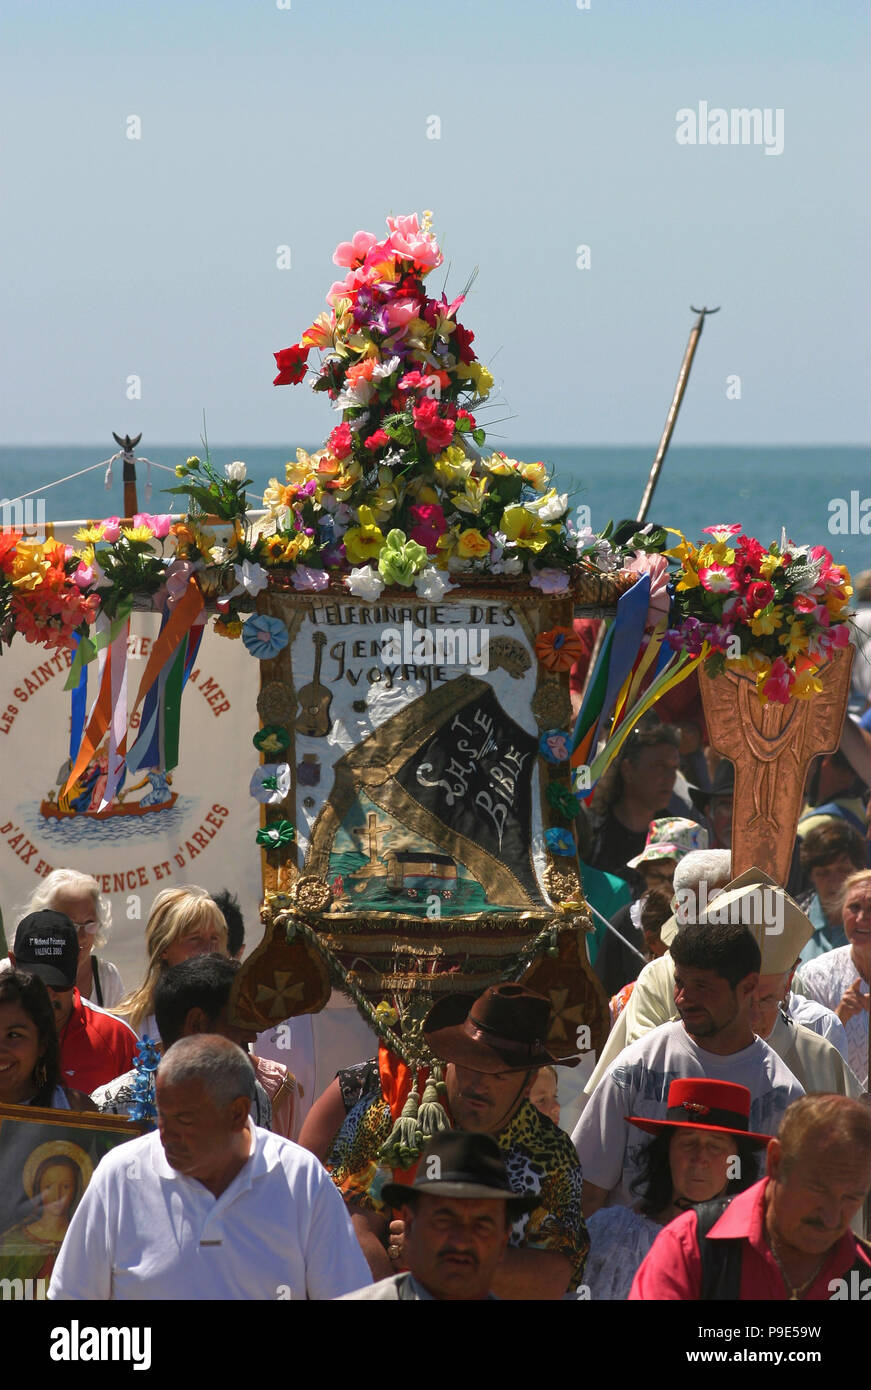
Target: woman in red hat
(702, 1149)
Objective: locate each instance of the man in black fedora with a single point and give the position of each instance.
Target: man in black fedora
(491, 1048)
(457, 1218)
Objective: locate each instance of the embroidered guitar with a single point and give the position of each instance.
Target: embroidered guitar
(315, 699)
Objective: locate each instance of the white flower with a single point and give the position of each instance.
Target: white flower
(218, 554)
(279, 773)
(551, 506)
(251, 578)
(510, 566)
(431, 584)
(236, 472)
(384, 369)
(364, 582)
(584, 537)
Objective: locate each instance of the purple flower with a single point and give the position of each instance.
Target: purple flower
(334, 554)
(550, 581)
(309, 580)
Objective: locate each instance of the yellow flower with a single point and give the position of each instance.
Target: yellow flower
(231, 629)
(768, 564)
(535, 474)
(689, 578)
(383, 500)
(29, 567)
(765, 621)
(715, 553)
(503, 467)
(363, 542)
(136, 533)
(523, 528)
(90, 534)
(87, 555)
(446, 546)
(478, 375)
(795, 641)
(320, 334)
(473, 497)
(453, 466)
(806, 684)
(757, 661)
(421, 493)
(472, 545)
(305, 466)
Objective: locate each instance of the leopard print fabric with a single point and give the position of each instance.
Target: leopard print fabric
(539, 1157)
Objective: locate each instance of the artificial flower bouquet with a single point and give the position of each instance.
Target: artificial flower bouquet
(775, 613)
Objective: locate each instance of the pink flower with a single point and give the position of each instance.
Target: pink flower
(657, 567)
(353, 253)
(111, 529)
(407, 239)
(436, 431)
(83, 575)
(550, 581)
(309, 580)
(377, 440)
(429, 525)
(722, 533)
(780, 679)
(157, 525)
(718, 579)
(401, 312)
(177, 580)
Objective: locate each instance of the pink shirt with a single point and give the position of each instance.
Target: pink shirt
(672, 1269)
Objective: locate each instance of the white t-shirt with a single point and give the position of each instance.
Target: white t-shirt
(826, 979)
(144, 1231)
(637, 1084)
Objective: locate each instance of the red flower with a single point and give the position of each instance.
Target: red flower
(759, 595)
(291, 363)
(462, 340)
(377, 440)
(464, 415)
(341, 441)
(436, 431)
(8, 542)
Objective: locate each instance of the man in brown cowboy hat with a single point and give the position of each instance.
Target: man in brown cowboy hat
(457, 1218)
(492, 1047)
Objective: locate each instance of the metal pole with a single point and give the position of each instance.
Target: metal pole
(671, 418)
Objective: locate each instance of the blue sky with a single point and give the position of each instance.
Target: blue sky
(263, 127)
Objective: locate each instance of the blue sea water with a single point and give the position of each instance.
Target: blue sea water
(763, 488)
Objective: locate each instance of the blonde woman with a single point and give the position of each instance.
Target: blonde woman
(78, 896)
(183, 922)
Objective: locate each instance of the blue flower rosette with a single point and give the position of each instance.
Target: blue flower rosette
(264, 637)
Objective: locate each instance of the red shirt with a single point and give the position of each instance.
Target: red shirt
(95, 1047)
(672, 1268)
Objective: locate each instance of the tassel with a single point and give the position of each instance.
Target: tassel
(432, 1118)
(402, 1146)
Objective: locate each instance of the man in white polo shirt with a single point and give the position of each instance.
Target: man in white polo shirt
(209, 1206)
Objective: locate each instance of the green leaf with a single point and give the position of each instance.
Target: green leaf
(479, 435)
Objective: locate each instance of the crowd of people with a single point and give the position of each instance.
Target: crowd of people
(720, 1148)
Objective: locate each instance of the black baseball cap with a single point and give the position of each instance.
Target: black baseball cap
(47, 945)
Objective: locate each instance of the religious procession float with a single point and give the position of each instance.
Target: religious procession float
(409, 594)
